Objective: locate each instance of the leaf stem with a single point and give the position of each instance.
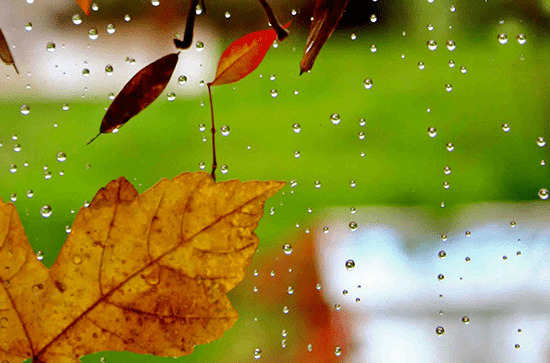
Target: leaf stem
(189, 25)
(282, 33)
(95, 137)
(213, 130)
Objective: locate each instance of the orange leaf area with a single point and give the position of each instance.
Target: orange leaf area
(84, 5)
(243, 56)
(144, 273)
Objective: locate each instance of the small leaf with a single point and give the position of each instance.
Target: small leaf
(326, 16)
(243, 56)
(138, 93)
(143, 273)
(5, 53)
(84, 5)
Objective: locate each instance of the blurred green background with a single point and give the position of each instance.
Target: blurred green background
(396, 163)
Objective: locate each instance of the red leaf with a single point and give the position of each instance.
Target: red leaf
(326, 16)
(84, 5)
(5, 53)
(138, 93)
(243, 56)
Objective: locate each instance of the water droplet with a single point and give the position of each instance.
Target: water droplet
(50, 47)
(171, 96)
(198, 9)
(439, 330)
(13, 197)
(317, 184)
(352, 226)
(77, 260)
(199, 46)
(36, 289)
(353, 36)
(373, 48)
(28, 27)
(544, 193)
(94, 6)
(224, 169)
(297, 153)
(225, 130)
(86, 73)
(111, 96)
(447, 170)
(463, 70)
(39, 255)
(446, 185)
(92, 34)
(541, 141)
(13, 168)
(432, 45)
(367, 83)
(325, 230)
(25, 110)
(502, 38)
(467, 259)
(440, 277)
(309, 347)
(451, 64)
(350, 264)
(287, 248)
(450, 146)
(318, 286)
(513, 224)
(17, 148)
(521, 38)
(517, 346)
(373, 18)
(77, 20)
(335, 118)
(182, 80)
(451, 45)
(448, 87)
(127, 18)
(421, 65)
(257, 351)
(46, 211)
(442, 254)
(468, 233)
(337, 351)
(274, 93)
(30, 193)
(286, 310)
(290, 290)
(505, 127)
(432, 131)
(155, 2)
(296, 127)
(61, 156)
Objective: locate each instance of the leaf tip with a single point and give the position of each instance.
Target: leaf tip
(95, 137)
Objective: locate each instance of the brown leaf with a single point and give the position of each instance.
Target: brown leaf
(5, 53)
(326, 16)
(144, 273)
(243, 56)
(84, 5)
(138, 93)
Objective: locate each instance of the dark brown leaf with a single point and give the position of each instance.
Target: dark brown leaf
(5, 53)
(326, 16)
(139, 93)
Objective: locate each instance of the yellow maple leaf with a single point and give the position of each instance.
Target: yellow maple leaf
(144, 273)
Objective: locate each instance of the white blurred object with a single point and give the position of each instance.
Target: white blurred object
(504, 289)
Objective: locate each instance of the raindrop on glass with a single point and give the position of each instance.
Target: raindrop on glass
(25, 110)
(544, 193)
(352, 226)
(350, 264)
(224, 169)
(287, 248)
(335, 118)
(337, 351)
(450, 146)
(61, 157)
(541, 141)
(111, 28)
(182, 80)
(171, 96)
(505, 127)
(274, 93)
(50, 47)
(28, 27)
(439, 330)
(432, 131)
(451, 45)
(46, 211)
(432, 45)
(521, 38)
(92, 34)
(296, 127)
(77, 20)
(367, 83)
(86, 73)
(225, 130)
(199, 46)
